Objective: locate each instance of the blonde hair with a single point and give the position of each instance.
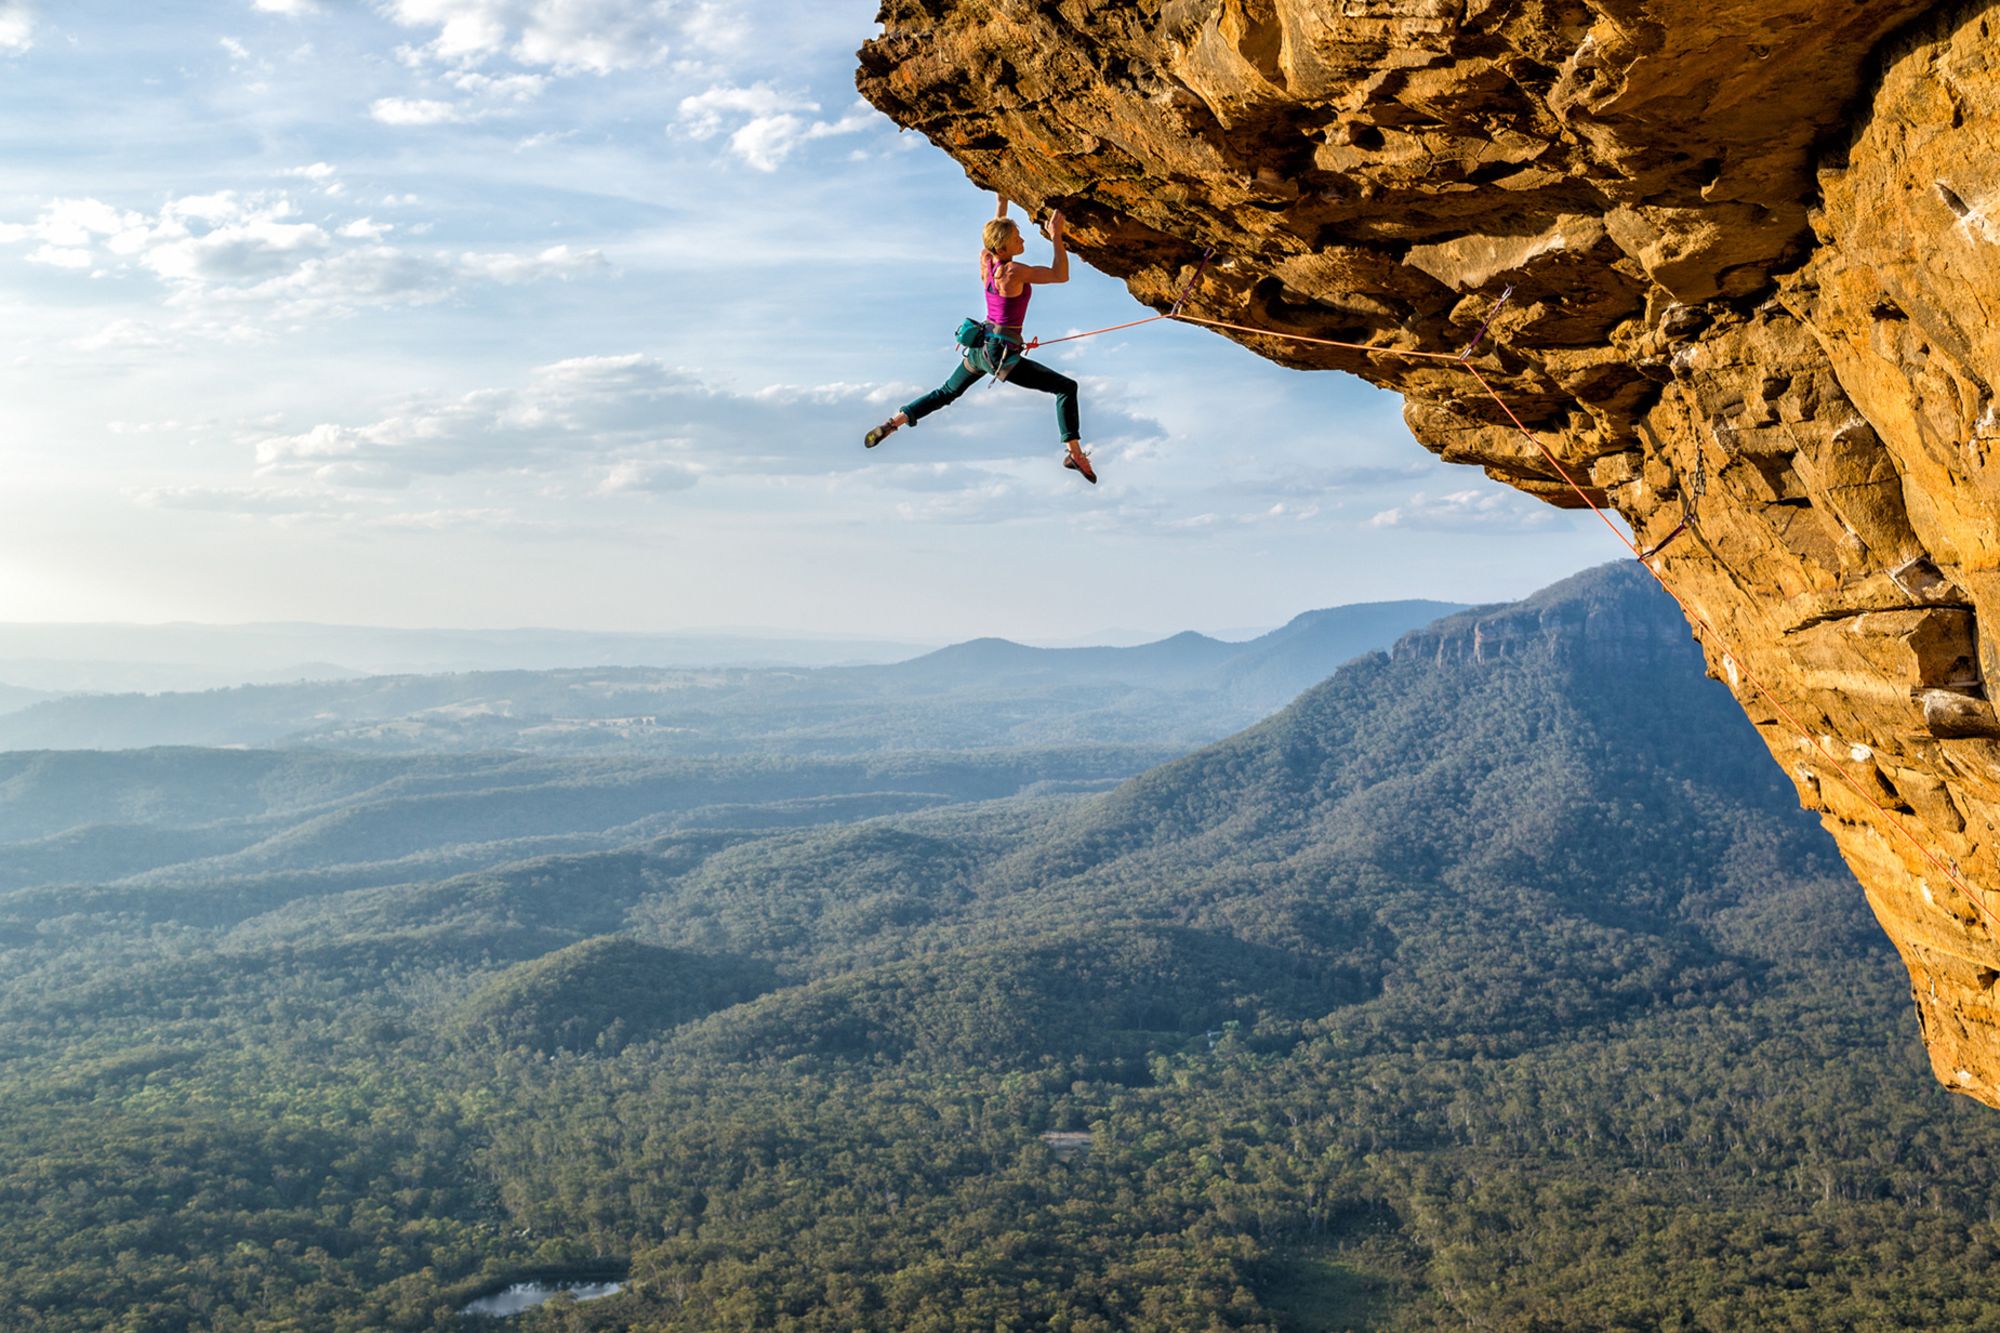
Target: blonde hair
(997, 233)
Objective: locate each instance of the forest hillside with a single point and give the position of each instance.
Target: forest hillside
(1497, 980)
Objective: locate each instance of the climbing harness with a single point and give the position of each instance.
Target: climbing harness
(1645, 556)
(983, 347)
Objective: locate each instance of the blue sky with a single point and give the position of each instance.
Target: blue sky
(571, 313)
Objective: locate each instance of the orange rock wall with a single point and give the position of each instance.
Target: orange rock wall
(1755, 246)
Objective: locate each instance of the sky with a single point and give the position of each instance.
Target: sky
(572, 313)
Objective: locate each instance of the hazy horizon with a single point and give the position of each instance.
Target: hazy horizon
(184, 656)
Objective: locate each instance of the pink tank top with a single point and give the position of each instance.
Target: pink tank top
(1006, 311)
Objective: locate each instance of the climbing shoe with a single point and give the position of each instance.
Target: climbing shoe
(1078, 461)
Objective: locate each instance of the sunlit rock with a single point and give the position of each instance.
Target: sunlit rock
(1755, 250)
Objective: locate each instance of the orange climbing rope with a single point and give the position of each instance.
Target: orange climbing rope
(1033, 343)
(1321, 342)
(1730, 656)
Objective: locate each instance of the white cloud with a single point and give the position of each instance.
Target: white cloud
(638, 424)
(228, 251)
(1488, 510)
(490, 95)
(961, 495)
(234, 243)
(290, 8)
(237, 50)
(361, 476)
(318, 172)
(419, 111)
(145, 427)
(73, 222)
(485, 521)
(767, 140)
(289, 505)
(59, 257)
(236, 499)
(122, 335)
(511, 87)
(654, 476)
(17, 26)
(222, 244)
(717, 27)
(219, 207)
(703, 114)
(568, 36)
(558, 261)
(339, 284)
(775, 123)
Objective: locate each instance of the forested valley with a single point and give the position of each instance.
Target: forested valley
(1498, 981)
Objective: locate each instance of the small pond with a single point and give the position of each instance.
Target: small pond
(527, 1295)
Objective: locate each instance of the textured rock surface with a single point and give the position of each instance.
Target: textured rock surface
(1755, 247)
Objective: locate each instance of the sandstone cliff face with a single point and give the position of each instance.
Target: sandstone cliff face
(1755, 247)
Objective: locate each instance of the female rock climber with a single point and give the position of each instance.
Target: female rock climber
(1008, 286)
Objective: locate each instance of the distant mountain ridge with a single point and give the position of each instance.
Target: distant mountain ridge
(13, 698)
(1178, 655)
(1183, 690)
(1283, 662)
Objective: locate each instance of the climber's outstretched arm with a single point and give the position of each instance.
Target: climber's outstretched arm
(1046, 273)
